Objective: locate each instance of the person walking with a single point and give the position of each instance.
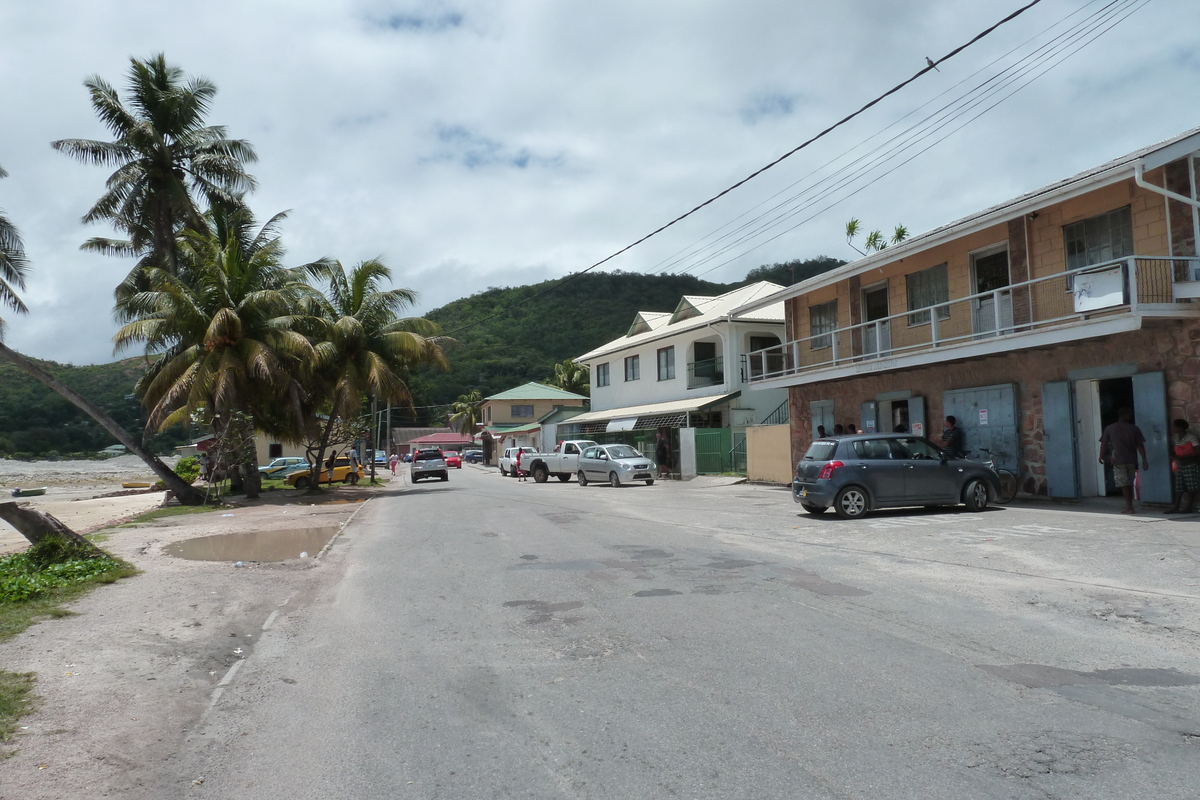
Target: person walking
(517, 467)
(953, 441)
(329, 466)
(1123, 442)
(353, 476)
(662, 454)
(393, 459)
(1185, 467)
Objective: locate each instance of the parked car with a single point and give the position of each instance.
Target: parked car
(615, 463)
(407, 458)
(508, 461)
(473, 456)
(428, 464)
(282, 467)
(453, 459)
(858, 474)
(302, 479)
(381, 458)
(562, 463)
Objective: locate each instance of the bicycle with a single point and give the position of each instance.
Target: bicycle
(1008, 478)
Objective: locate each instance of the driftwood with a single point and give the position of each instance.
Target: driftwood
(36, 526)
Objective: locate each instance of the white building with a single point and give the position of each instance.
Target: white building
(681, 372)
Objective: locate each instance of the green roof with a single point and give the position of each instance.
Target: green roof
(536, 391)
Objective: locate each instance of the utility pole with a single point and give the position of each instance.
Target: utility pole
(375, 425)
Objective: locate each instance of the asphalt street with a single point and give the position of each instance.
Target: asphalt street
(484, 638)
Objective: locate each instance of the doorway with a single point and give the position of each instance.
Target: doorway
(1103, 400)
(992, 313)
(877, 339)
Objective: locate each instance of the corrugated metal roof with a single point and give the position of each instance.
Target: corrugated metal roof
(536, 391)
(648, 409)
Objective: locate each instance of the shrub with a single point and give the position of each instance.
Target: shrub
(188, 468)
(23, 575)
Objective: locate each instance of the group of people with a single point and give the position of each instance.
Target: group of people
(1122, 443)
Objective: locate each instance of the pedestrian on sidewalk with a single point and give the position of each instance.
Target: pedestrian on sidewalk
(953, 441)
(1123, 441)
(392, 460)
(662, 454)
(1185, 467)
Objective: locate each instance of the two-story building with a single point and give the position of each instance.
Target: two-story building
(517, 417)
(1032, 322)
(682, 371)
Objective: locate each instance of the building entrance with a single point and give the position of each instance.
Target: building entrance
(1100, 401)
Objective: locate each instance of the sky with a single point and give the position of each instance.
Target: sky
(488, 143)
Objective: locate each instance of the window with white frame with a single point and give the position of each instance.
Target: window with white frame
(822, 322)
(926, 288)
(633, 368)
(1101, 238)
(522, 411)
(666, 363)
(602, 374)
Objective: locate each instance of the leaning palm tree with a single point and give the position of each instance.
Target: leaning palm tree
(225, 328)
(164, 156)
(364, 348)
(571, 377)
(13, 265)
(467, 412)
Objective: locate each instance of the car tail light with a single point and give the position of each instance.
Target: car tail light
(828, 470)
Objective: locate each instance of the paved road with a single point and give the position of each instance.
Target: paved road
(485, 638)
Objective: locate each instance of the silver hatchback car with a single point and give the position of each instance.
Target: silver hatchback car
(615, 463)
(428, 464)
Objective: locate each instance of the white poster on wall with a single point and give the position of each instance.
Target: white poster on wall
(983, 416)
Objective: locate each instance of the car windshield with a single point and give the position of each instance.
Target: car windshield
(821, 450)
(623, 451)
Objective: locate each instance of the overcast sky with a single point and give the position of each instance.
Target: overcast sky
(496, 143)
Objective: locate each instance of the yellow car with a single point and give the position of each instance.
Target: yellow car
(341, 472)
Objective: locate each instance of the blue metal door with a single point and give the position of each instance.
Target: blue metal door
(1058, 438)
(987, 416)
(867, 420)
(916, 416)
(1150, 412)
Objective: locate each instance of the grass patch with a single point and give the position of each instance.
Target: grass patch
(16, 700)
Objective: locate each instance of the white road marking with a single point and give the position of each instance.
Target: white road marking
(270, 619)
(232, 671)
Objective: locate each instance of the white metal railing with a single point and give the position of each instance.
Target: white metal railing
(1119, 286)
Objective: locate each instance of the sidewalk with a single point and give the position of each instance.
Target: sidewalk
(1107, 506)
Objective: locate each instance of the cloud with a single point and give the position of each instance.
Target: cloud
(768, 105)
(472, 150)
(421, 24)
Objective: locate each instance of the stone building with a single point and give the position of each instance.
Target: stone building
(1032, 322)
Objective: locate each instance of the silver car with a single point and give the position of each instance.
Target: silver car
(428, 464)
(615, 463)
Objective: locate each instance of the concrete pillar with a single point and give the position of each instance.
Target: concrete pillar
(687, 453)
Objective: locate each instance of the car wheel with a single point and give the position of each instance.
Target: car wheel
(613, 480)
(814, 510)
(649, 481)
(540, 474)
(503, 472)
(582, 478)
(564, 476)
(975, 495)
(445, 476)
(851, 502)
(303, 483)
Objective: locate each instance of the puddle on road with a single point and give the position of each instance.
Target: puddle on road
(256, 546)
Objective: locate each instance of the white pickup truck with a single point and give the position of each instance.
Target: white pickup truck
(562, 463)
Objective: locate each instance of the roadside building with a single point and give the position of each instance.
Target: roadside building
(682, 374)
(1033, 322)
(516, 417)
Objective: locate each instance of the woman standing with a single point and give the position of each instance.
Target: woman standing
(517, 467)
(1185, 466)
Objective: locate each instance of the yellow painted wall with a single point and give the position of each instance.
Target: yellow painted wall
(769, 453)
(501, 410)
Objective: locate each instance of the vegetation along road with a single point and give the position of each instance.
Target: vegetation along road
(488, 638)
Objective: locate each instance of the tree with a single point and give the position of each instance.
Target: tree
(163, 155)
(571, 377)
(225, 328)
(467, 412)
(13, 265)
(875, 240)
(364, 348)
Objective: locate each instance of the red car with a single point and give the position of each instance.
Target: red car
(453, 459)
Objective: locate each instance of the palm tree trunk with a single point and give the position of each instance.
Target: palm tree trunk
(36, 527)
(184, 491)
(318, 466)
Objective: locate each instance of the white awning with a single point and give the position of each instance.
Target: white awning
(631, 413)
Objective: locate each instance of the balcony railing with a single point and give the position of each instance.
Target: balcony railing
(709, 372)
(1134, 284)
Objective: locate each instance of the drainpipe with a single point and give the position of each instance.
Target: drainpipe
(1139, 172)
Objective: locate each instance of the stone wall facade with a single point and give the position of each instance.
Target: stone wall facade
(1169, 346)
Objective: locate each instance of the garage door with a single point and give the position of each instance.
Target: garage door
(987, 416)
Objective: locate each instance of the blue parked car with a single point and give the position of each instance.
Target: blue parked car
(473, 456)
(858, 474)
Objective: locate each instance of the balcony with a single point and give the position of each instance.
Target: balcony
(1098, 300)
(709, 372)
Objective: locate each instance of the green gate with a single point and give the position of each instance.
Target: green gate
(713, 450)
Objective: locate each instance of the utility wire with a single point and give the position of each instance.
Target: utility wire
(932, 64)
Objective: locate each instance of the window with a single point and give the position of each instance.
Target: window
(633, 368)
(275, 450)
(489, 413)
(666, 363)
(927, 288)
(522, 411)
(602, 374)
(822, 322)
(1101, 238)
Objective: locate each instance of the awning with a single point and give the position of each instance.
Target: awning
(653, 409)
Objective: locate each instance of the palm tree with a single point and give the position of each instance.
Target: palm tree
(13, 268)
(467, 412)
(364, 347)
(164, 155)
(225, 327)
(572, 377)
(13, 265)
